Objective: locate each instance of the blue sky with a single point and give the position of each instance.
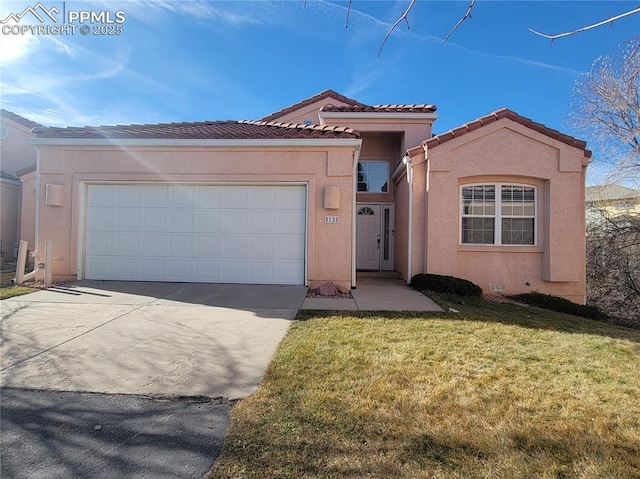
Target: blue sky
(215, 60)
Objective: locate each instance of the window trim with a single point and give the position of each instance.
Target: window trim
(497, 232)
(388, 182)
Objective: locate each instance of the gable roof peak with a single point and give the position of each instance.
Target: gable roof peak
(21, 120)
(311, 100)
(500, 114)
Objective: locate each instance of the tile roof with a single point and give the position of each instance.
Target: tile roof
(7, 176)
(610, 193)
(309, 101)
(18, 119)
(511, 115)
(415, 108)
(215, 130)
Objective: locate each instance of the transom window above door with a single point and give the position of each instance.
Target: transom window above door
(373, 177)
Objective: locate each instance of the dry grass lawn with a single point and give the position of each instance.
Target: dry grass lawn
(496, 391)
(9, 290)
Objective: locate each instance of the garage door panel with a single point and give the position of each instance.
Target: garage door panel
(127, 219)
(180, 220)
(153, 219)
(235, 198)
(101, 219)
(207, 246)
(290, 198)
(288, 273)
(263, 198)
(207, 220)
(152, 268)
(261, 246)
(235, 221)
(289, 221)
(230, 233)
(233, 246)
(291, 247)
(179, 270)
(127, 244)
(233, 271)
(125, 268)
(153, 244)
(155, 196)
(262, 271)
(100, 243)
(181, 196)
(101, 195)
(207, 197)
(262, 221)
(99, 268)
(129, 196)
(207, 271)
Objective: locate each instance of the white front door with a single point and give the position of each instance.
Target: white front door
(368, 237)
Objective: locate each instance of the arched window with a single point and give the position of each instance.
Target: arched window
(365, 211)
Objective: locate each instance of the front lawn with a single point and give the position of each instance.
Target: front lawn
(495, 391)
(8, 289)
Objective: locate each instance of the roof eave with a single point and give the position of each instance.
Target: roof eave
(221, 143)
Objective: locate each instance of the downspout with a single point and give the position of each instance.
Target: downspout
(354, 188)
(406, 160)
(37, 227)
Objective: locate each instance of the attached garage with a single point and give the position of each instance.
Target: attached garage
(231, 233)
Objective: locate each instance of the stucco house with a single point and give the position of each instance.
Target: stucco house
(611, 200)
(313, 193)
(16, 155)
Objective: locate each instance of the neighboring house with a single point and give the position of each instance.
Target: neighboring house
(15, 155)
(611, 201)
(313, 193)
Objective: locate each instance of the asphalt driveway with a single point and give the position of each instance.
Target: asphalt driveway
(155, 339)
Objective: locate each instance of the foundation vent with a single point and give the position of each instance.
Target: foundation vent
(497, 287)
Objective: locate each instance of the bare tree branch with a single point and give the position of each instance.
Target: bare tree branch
(348, 12)
(393, 27)
(466, 15)
(588, 27)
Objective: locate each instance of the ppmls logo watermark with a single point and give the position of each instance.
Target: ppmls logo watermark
(40, 20)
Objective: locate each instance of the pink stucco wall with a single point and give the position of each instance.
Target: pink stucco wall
(15, 152)
(28, 211)
(413, 128)
(328, 245)
(9, 215)
(504, 151)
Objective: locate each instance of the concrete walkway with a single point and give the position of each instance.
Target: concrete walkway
(377, 292)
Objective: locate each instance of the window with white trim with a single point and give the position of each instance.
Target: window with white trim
(498, 214)
(373, 176)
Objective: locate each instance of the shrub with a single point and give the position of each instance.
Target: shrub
(561, 305)
(445, 284)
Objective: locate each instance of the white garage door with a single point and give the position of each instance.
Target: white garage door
(192, 233)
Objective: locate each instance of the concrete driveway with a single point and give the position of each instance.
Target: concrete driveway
(157, 339)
